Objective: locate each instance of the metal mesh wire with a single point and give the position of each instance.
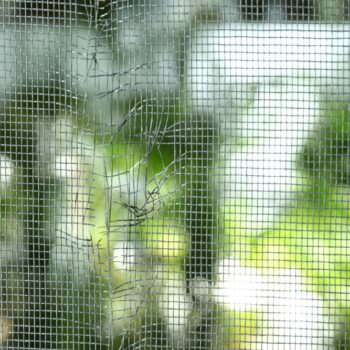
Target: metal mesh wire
(174, 174)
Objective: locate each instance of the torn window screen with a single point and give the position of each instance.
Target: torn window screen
(174, 174)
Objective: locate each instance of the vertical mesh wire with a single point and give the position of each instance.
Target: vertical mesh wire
(174, 174)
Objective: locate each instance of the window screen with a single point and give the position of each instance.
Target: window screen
(174, 174)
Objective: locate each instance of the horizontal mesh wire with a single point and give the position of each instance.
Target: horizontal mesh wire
(174, 174)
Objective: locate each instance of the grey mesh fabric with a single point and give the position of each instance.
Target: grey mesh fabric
(174, 174)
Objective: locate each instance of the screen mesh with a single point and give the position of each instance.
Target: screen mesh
(174, 174)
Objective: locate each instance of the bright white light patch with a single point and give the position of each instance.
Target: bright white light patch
(294, 318)
(227, 63)
(175, 306)
(281, 116)
(124, 256)
(7, 170)
(68, 167)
